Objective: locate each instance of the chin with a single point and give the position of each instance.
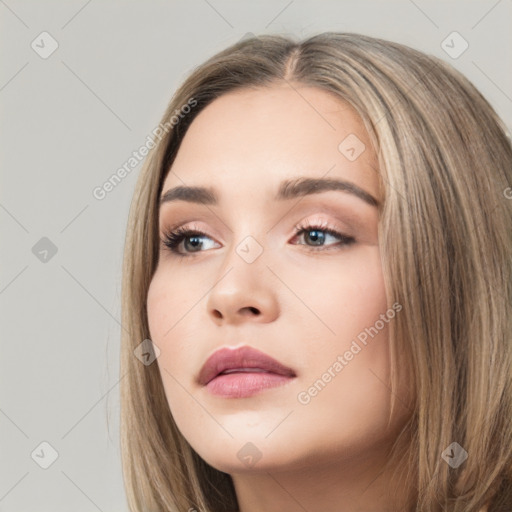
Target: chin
(254, 453)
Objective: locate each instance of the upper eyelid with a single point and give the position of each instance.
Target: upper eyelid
(345, 213)
(303, 224)
(350, 223)
(185, 230)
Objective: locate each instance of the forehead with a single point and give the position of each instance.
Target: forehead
(254, 138)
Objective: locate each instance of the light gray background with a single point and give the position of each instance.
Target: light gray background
(68, 123)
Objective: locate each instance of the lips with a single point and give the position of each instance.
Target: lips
(240, 360)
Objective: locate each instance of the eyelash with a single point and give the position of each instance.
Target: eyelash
(172, 239)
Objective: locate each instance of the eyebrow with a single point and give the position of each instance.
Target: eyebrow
(288, 189)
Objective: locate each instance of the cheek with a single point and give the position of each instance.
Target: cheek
(160, 307)
(170, 314)
(170, 300)
(353, 304)
(170, 329)
(346, 296)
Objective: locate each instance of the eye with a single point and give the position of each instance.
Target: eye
(317, 234)
(172, 240)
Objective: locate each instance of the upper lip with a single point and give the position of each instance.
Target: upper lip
(243, 357)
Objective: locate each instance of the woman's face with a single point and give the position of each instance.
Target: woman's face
(266, 274)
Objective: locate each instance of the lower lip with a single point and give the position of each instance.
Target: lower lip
(242, 385)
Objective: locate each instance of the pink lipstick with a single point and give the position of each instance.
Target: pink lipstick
(242, 372)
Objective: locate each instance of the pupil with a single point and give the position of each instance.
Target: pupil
(316, 237)
(195, 244)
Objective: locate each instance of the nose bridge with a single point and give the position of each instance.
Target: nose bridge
(245, 259)
(248, 237)
(242, 285)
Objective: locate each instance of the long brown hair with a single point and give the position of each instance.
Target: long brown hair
(445, 235)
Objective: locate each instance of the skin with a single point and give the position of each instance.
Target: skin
(300, 303)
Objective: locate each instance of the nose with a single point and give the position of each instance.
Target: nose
(243, 292)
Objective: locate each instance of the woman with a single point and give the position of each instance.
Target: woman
(317, 287)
